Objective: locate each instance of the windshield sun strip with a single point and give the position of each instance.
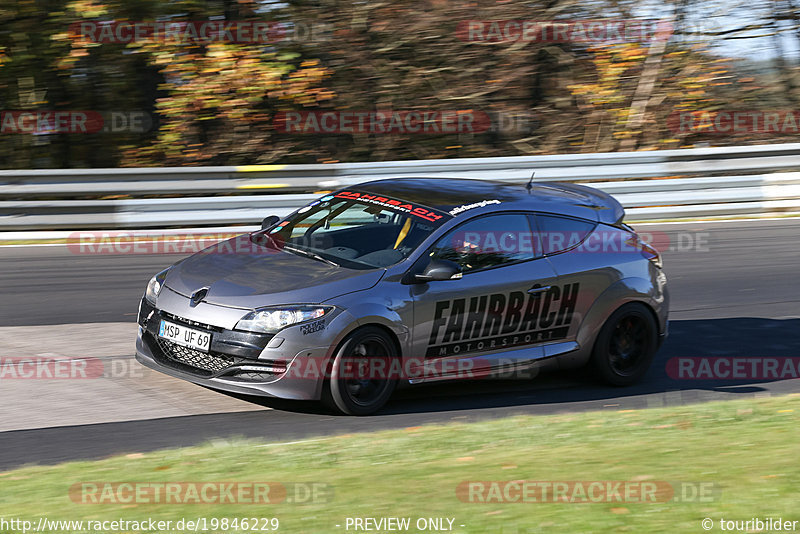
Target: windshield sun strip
(428, 214)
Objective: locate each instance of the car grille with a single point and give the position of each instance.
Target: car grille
(210, 362)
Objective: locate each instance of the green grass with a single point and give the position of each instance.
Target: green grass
(747, 448)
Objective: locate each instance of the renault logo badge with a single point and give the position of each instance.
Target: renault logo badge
(198, 296)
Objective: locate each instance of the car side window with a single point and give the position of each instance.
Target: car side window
(560, 233)
(487, 242)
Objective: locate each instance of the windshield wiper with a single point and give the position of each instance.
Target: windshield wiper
(311, 255)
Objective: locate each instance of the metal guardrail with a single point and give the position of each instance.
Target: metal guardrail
(251, 192)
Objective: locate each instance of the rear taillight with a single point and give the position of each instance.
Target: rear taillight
(651, 254)
(647, 250)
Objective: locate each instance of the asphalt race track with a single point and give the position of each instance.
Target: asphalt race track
(734, 287)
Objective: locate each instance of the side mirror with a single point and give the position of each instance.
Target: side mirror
(269, 221)
(439, 270)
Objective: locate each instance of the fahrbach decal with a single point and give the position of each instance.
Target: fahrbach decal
(393, 204)
(501, 320)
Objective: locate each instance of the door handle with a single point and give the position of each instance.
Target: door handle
(535, 290)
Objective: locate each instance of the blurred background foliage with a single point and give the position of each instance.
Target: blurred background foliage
(215, 103)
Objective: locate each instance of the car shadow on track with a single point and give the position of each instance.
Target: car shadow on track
(440, 403)
(733, 338)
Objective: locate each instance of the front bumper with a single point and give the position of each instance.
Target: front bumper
(238, 362)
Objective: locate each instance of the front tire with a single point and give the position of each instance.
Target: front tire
(352, 390)
(626, 345)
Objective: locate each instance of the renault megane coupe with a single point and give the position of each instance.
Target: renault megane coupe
(412, 280)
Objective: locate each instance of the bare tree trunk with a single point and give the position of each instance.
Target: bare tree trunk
(644, 90)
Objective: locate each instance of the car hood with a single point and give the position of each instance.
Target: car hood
(242, 274)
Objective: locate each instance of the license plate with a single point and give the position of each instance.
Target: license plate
(188, 337)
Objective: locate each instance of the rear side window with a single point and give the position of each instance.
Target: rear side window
(488, 242)
(561, 233)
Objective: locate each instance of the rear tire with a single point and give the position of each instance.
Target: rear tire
(625, 346)
(351, 392)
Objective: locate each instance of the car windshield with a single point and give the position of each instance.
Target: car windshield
(355, 230)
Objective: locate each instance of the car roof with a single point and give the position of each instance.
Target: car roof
(453, 195)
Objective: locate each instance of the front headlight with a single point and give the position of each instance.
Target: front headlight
(271, 320)
(154, 286)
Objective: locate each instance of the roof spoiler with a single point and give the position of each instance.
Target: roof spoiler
(609, 210)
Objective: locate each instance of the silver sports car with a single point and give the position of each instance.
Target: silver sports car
(407, 281)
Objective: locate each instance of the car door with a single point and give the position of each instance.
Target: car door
(584, 267)
(489, 317)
